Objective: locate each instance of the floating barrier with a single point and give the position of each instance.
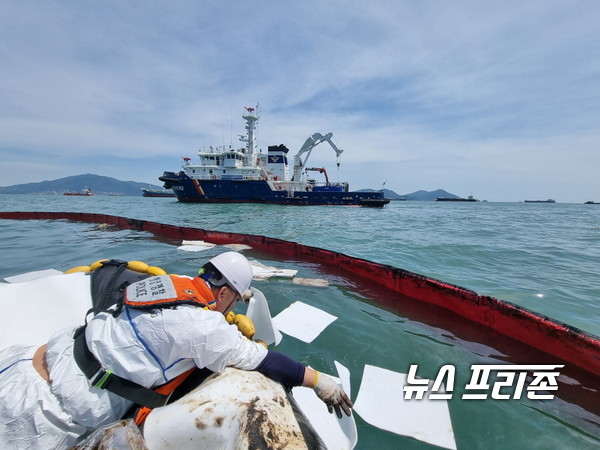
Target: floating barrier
(550, 336)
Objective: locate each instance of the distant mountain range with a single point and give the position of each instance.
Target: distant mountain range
(98, 184)
(101, 185)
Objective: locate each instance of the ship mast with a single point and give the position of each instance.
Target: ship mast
(250, 139)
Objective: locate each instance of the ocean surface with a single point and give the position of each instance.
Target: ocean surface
(544, 257)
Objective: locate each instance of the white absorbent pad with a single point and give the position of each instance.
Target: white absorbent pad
(262, 272)
(336, 433)
(34, 310)
(381, 403)
(195, 246)
(303, 321)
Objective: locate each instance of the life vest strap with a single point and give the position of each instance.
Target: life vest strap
(165, 389)
(105, 379)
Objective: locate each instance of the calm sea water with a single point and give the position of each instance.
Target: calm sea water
(540, 256)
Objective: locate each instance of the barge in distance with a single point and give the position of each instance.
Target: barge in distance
(149, 192)
(244, 175)
(550, 200)
(456, 199)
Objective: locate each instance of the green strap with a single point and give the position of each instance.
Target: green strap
(102, 380)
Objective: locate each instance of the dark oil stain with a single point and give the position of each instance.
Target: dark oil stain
(257, 420)
(200, 424)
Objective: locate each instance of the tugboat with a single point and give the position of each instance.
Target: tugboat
(244, 175)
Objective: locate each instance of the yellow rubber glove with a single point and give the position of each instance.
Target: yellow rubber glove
(245, 325)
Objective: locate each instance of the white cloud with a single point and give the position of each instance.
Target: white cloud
(497, 98)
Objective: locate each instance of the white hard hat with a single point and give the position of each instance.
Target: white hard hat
(235, 268)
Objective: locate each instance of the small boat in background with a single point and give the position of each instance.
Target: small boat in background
(591, 202)
(148, 192)
(87, 192)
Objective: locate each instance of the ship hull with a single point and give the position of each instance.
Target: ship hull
(190, 190)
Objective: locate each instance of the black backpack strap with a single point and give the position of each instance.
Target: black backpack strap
(109, 282)
(105, 379)
(104, 280)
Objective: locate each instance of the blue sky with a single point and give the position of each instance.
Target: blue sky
(500, 100)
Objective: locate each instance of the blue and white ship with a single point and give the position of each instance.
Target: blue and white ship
(244, 175)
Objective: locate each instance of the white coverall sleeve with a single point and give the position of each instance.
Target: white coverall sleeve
(221, 345)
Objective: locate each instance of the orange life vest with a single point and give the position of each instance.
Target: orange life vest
(164, 291)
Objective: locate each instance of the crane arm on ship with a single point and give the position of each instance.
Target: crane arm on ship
(320, 170)
(308, 146)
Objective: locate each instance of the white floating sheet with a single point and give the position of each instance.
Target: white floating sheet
(303, 321)
(381, 403)
(237, 247)
(259, 313)
(32, 275)
(312, 282)
(195, 246)
(262, 272)
(335, 433)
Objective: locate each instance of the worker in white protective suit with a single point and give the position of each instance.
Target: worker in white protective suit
(47, 400)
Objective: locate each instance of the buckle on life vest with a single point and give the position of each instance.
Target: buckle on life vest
(101, 377)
